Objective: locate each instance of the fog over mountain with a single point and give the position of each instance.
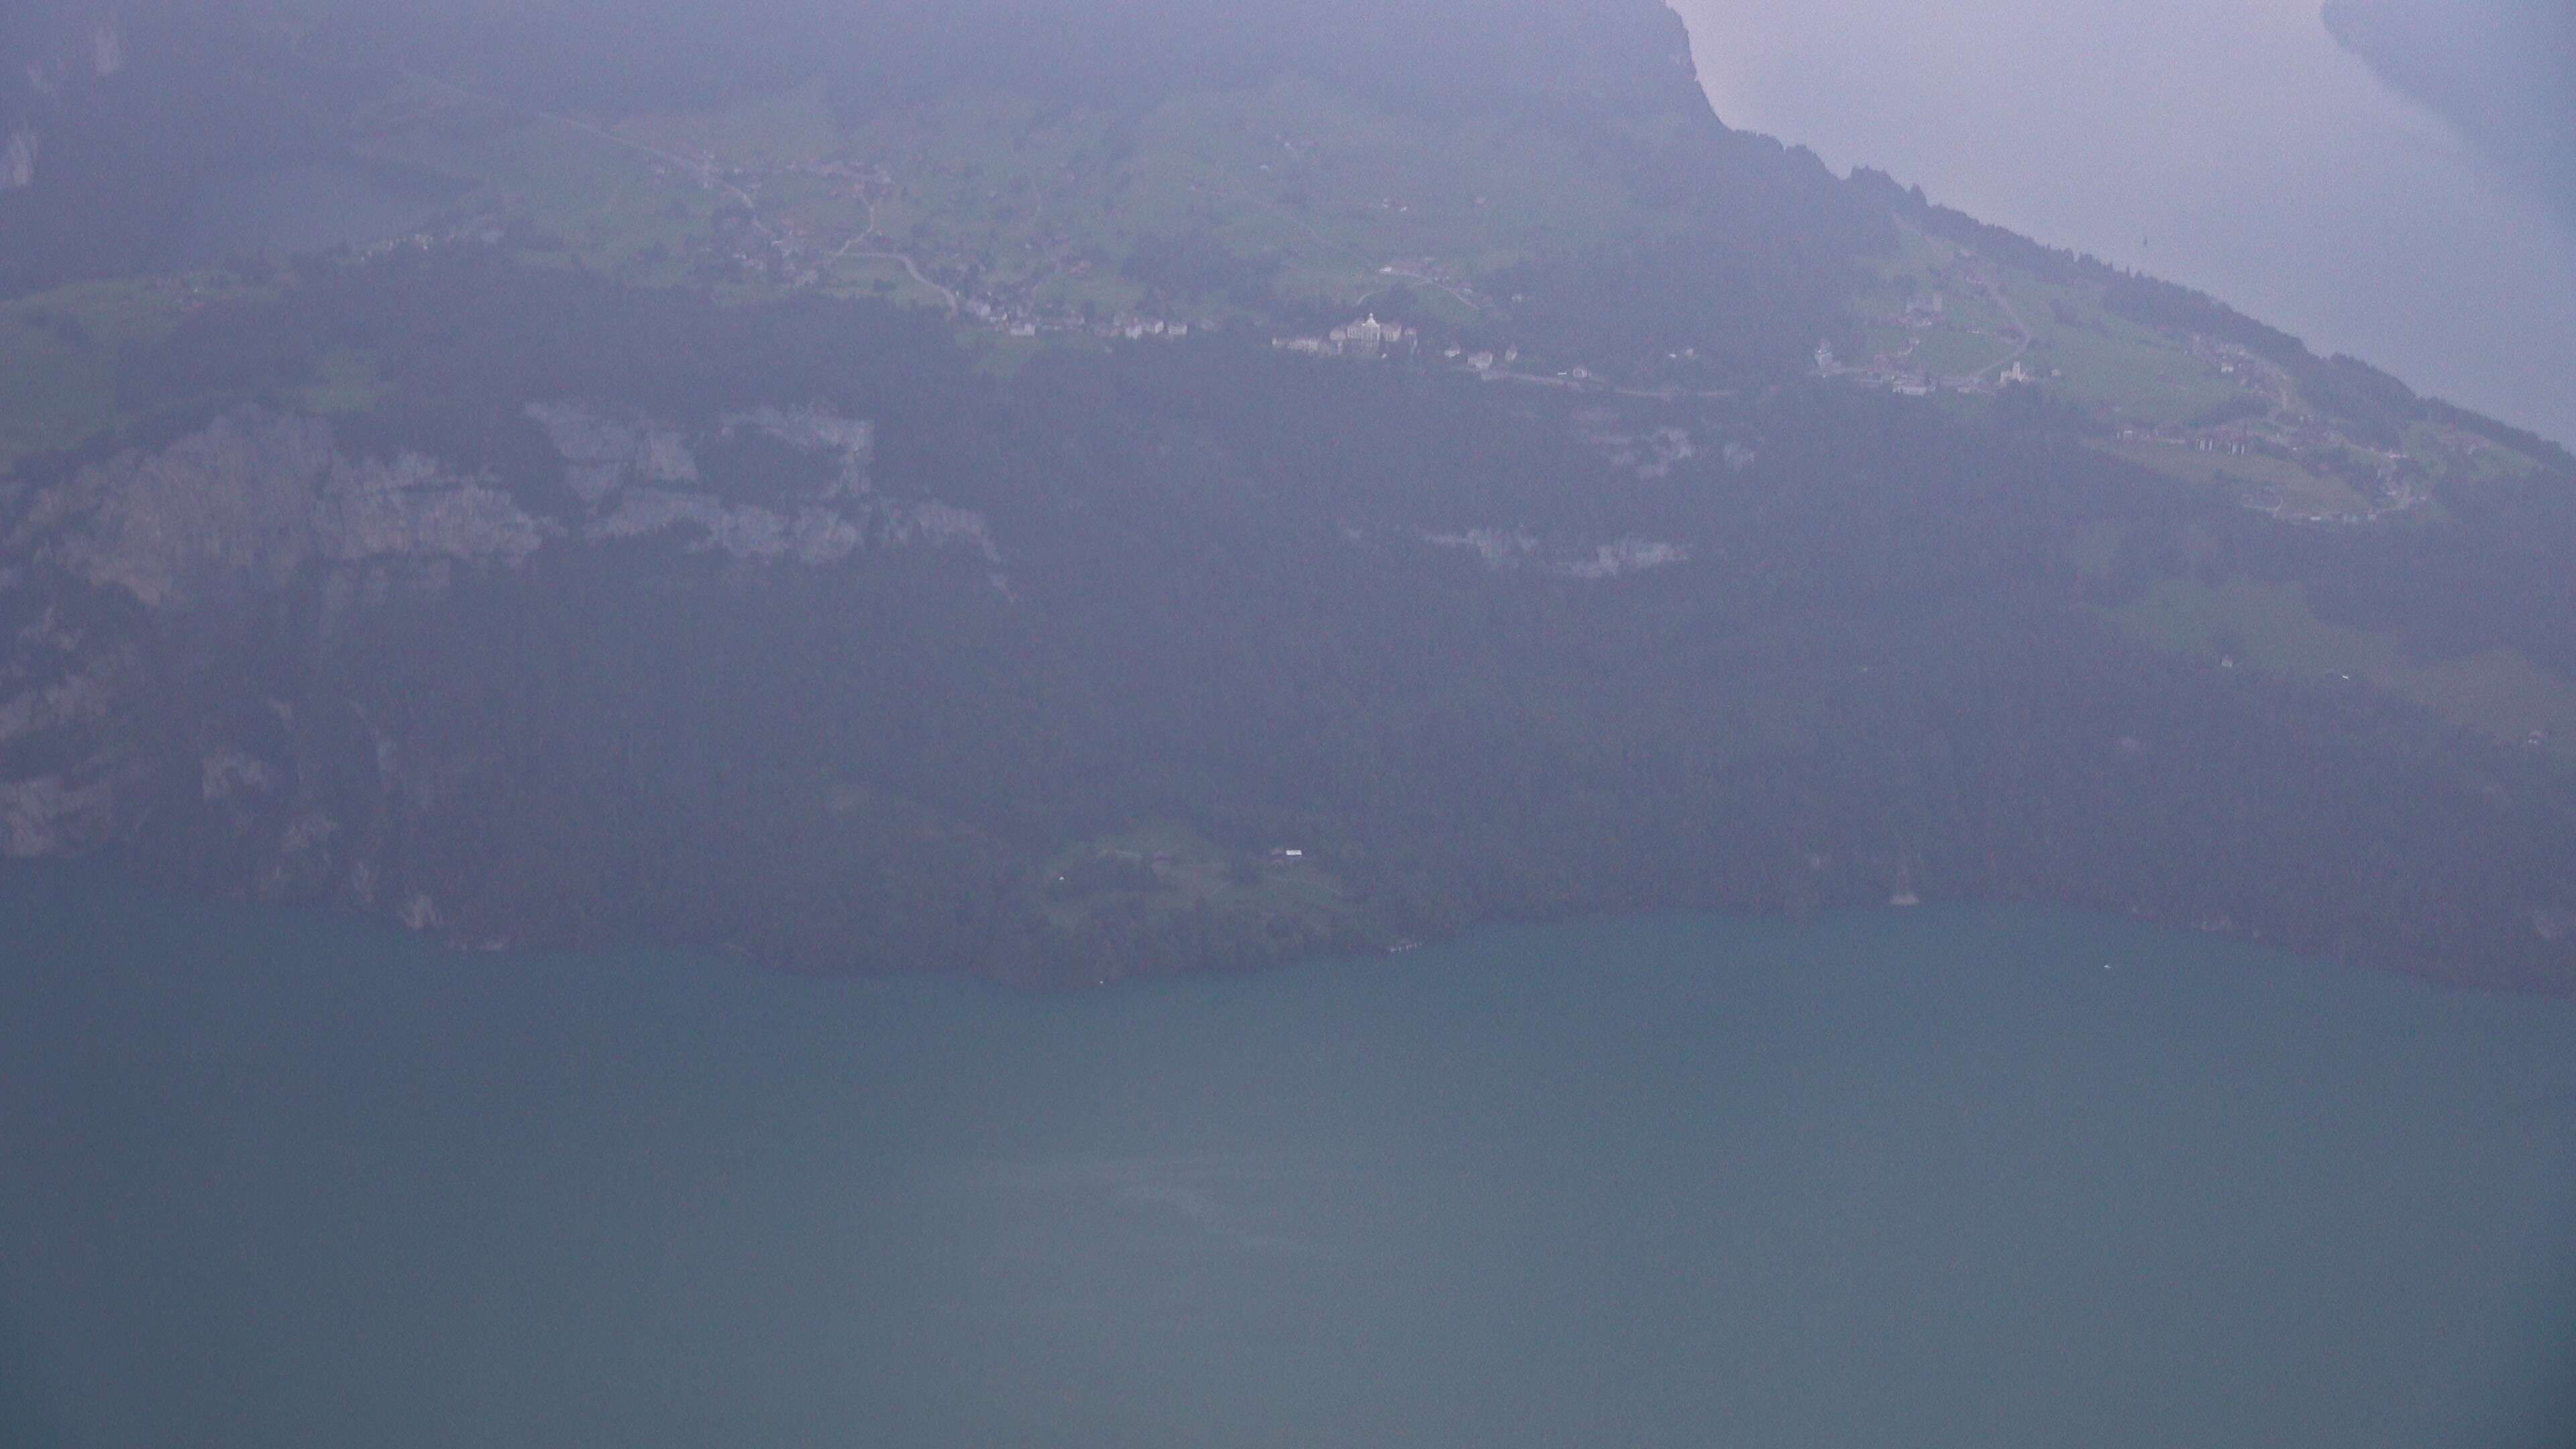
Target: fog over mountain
(2232, 145)
(2504, 71)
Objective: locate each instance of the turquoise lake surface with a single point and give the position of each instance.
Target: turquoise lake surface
(1949, 1177)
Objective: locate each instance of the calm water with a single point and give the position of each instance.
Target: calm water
(2229, 144)
(1939, 1179)
(306, 208)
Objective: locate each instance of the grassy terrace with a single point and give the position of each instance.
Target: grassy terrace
(1334, 192)
(987, 200)
(2128, 373)
(982, 198)
(987, 195)
(617, 206)
(1166, 868)
(2162, 394)
(2301, 492)
(2497, 692)
(59, 349)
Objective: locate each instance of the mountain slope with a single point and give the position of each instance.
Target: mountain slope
(1254, 486)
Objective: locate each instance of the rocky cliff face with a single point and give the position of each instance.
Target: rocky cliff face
(18, 160)
(638, 478)
(47, 59)
(248, 502)
(170, 674)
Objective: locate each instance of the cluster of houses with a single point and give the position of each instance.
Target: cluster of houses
(1026, 321)
(1890, 372)
(2232, 441)
(783, 248)
(1370, 338)
(1367, 337)
(1138, 329)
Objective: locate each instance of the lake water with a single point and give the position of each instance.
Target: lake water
(1951, 1177)
(304, 208)
(2228, 144)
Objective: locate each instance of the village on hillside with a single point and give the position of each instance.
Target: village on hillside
(2203, 409)
(983, 244)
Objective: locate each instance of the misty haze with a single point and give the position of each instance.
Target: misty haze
(2234, 145)
(1340, 722)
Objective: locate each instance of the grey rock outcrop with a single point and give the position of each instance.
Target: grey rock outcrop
(76, 700)
(247, 501)
(1625, 556)
(49, 816)
(235, 511)
(850, 440)
(1514, 548)
(18, 160)
(604, 453)
(633, 474)
(106, 50)
(188, 666)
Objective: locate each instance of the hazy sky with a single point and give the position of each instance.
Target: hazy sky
(2230, 144)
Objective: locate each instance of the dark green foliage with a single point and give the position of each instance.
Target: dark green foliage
(200, 98)
(1750, 314)
(2032, 408)
(2551, 456)
(2054, 264)
(1772, 245)
(2166, 304)
(206, 97)
(1440, 630)
(2376, 406)
(468, 340)
(1196, 265)
(1224, 613)
(2236, 409)
(883, 54)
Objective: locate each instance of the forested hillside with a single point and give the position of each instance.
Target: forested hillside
(1064, 496)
